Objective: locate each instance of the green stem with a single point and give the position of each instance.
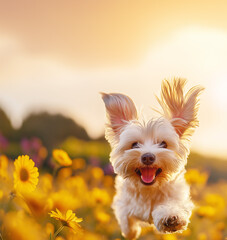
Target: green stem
(58, 231)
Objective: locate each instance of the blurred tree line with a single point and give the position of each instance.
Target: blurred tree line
(52, 129)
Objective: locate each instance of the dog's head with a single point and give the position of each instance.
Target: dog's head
(153, 151)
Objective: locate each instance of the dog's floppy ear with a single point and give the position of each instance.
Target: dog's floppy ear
(181, 109)
(120, 109)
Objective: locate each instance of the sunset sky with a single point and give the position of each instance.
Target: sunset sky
(58, 55)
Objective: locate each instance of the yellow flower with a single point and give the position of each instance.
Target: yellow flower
(3, 166)
(206, 211)
(64, 173)
(169, 237)
(1, 194)
(102, 217)
(78, 187)
(202, 236)
(186, 232)
(108, 182)
(220, 226)
(43, 152)
(62, 157)
(18, 226)
(36, 202)
(69, 219)
(90, 236)
(100, 196)
(46, 182)
(78, 163)
(25, 174)
(63, 200)
(194, 176)
(97, 173)
(215, 200)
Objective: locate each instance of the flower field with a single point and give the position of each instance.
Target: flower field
(66, 194)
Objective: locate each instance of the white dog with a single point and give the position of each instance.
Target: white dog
(149, 159)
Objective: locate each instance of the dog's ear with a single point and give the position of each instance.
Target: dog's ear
(120, 109)
(181, 109)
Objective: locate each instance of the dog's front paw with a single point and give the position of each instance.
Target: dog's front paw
(172, 224)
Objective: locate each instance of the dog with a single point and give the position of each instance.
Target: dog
(149, 158)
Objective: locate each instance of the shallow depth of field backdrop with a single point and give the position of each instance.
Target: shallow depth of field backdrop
(55, 58)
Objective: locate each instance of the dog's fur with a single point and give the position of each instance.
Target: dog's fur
(166, 200)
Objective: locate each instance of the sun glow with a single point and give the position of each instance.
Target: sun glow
(220, 92)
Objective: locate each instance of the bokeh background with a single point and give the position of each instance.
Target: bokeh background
(55, 58)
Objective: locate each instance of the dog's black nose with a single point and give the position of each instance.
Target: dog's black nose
(148, 158)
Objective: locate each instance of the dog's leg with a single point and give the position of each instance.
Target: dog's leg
(172, 215)
(129, 225)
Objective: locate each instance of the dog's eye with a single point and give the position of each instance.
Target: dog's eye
(135, 145)
(163, 144)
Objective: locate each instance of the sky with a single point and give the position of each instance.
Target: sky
(58, 55)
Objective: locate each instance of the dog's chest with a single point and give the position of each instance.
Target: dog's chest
(141, 207)
(142, 204)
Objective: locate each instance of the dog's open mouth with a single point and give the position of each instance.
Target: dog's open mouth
(148, 174)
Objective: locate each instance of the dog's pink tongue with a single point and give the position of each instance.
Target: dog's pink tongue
(148, 174)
